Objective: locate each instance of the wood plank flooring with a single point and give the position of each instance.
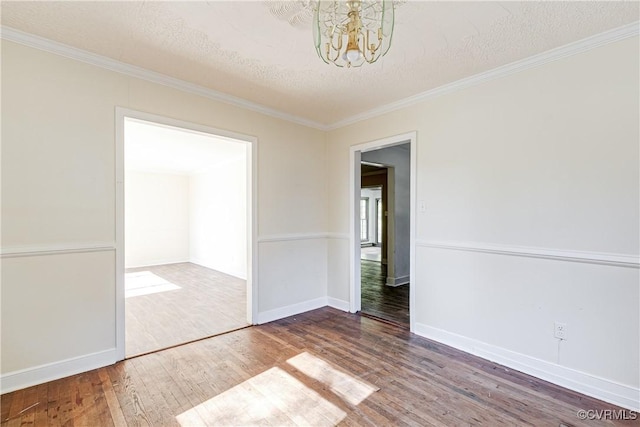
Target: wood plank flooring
(379, 300)
(323, 367)
(208, 303)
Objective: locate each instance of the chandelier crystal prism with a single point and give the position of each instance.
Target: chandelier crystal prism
(353, 32)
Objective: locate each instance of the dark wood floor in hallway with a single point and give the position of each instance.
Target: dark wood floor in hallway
(379, 300)
(320, 368)
(193, 302)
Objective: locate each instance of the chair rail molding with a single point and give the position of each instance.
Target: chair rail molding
(56, 249)
(612, 259)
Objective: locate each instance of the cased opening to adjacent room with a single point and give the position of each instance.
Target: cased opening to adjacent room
(185, 236)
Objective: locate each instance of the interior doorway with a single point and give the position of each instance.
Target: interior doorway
(384, 232)
(185, 244)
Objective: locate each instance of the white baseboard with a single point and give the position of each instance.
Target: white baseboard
(158, 262)
(203, 263)
(338, 304)
(290, 310)
(24, 378)
(582, 382)
(397, 281)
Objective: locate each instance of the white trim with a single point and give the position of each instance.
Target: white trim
(580, 46)
(251, 145)
(397, 281)
(16, 36)
(252, 232)
(120, 115)
(413, 233)
(338, 304)
(204, 263)
(291, 237)
(617, 260)
(338, 236)
(301, 236)
(56, 249)
(291, 310)
(354, 233)
(582, 382)
(355, 251)
(24, 378)
(159, 262)
(592, 42)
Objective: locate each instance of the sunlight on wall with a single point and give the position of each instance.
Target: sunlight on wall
(344, 385)
(273, 398)
(145, 283)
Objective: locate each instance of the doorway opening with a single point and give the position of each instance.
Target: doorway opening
(383, 186)
(185, 234)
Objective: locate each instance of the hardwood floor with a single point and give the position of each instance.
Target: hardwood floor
(207, 303)
(379, 300)
(323, 367)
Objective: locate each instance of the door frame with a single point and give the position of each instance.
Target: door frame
(251, 146)
(355, 152)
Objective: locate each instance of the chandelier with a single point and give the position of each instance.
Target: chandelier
(350, 33)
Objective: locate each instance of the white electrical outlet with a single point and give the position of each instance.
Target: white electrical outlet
(560, 330)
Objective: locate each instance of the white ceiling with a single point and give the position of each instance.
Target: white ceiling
(242, 49)
(151, 147)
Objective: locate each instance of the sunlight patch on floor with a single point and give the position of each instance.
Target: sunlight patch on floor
(271, 398)
(145, 283)
(344, 385)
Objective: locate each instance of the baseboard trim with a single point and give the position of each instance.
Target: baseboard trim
(291, 237)
(157, 263)
(338, 304)
(397, 281)
(291, 310)
(590, 385)
(24, 378)
(201, 263)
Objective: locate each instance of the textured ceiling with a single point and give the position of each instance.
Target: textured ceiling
(242, 49)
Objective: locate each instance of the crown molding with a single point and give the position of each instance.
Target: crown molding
(592, 42)
(37, 42)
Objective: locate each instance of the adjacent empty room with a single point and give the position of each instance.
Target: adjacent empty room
(185, 236)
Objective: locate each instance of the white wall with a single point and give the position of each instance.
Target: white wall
(542, 161)
(218, 217)
(58, 197)
(399, 157)
(156, 218)
(372, 194)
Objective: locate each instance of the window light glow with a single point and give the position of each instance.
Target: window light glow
(271, 398)
(344, 385)
(145, 283)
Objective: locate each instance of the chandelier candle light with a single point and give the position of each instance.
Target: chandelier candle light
(350, 33)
